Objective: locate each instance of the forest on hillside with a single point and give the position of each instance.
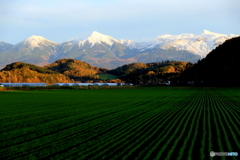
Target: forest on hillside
(219, 67)
(70, 70)
(150, 73)
(76, 70)
(24, 72)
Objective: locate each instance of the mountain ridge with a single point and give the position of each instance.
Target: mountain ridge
(219, 68)
(105, 51)
(5, 46)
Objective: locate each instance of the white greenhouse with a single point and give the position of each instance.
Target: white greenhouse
(92, 84)
(23, 84)
(72, 84)
(88, 84)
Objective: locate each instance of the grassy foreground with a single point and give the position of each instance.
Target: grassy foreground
(136, 123)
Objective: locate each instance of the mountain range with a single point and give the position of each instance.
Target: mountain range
(219, 68)
(104, 51)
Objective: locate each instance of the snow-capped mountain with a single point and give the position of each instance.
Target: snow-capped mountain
(35, 42)
(197, 44)
(105, 51)
(98, 49)
(35, 50)
(98, 38)
(101, 50)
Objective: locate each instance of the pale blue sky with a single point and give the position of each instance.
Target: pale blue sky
(140, 20)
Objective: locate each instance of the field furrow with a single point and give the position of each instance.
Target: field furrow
(140, 123)
(218, 137)
(229, 126)
(126, 124)
(166, 136)
(60, 136)
(187, 132)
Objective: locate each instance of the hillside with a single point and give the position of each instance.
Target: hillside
(105, 51)
(150, 73)
(71, 70)
(220, 67)
(24, 72)
(75, 69)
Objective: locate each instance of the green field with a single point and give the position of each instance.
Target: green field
(105, 76)
(136, 123)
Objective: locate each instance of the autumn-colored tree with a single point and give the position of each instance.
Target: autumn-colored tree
(24, 72)
(75, 69)
(149, 73)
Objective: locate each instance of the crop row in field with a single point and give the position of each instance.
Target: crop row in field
(139, 123)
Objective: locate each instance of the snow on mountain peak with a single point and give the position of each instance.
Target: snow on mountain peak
(34, 41)
(207, 32)
(183, 35)
(96, 34)
(35, 38)
(129, 43)
(97, 37)
(165, 36)
(187, 35)
(198, 44)
(126, 42)
(233, 35)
